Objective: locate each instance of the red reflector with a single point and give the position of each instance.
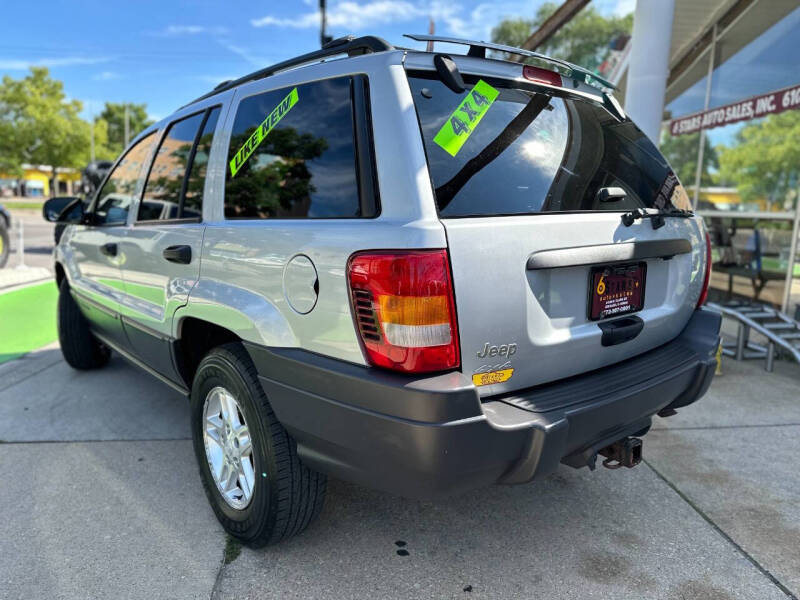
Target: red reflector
(541, 75)
(707, 276)
(404, 309)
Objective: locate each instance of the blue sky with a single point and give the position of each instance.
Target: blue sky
(167, 53)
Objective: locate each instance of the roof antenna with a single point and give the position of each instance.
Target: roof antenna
(431, 31)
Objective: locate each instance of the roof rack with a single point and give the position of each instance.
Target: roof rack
(350, 45)
(478, 49)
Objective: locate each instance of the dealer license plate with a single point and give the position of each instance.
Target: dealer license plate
(616, 290)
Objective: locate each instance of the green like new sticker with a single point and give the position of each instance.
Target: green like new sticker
(465, 118)
(262, 131)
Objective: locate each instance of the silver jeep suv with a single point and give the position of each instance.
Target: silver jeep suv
(420, 272)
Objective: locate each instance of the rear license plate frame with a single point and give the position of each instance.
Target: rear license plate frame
(616, 269)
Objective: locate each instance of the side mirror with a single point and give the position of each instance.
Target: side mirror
(63, 209)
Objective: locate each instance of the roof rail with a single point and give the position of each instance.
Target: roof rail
(478, 50)
(349, 45)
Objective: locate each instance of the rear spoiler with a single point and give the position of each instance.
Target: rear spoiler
(478, 50)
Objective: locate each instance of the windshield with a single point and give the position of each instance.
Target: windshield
(520, 152)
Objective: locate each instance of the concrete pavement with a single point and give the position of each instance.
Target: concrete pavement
(124, 516)
(38, 239)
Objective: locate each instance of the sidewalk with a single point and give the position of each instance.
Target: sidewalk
(102, 499)
(12, 277)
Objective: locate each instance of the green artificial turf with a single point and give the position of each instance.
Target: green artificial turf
(27, 319)
(22, 205)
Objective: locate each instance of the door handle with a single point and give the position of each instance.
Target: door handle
(178, 254)
(109, 249)
(619, 331)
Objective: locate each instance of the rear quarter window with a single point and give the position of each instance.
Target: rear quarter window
(304, 166)
(533, 152)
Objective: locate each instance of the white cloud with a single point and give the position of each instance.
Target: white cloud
(175, 30)
(476, 24)
(106, 76)
(254, 59)
(61, 61)
(450, 16)
(350, 15)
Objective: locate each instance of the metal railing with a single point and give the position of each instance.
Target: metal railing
(791, 216)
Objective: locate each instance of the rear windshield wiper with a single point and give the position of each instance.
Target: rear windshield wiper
(656, 219)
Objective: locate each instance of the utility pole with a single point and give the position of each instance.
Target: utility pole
(324, 38)
(127, 126)
(562, 15)
(91, 146)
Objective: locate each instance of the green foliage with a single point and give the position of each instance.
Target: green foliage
(114, 115)
(765, 161)
(512, 32)
(582, 41)
(681, 152)
(39, 125)
(275, 179)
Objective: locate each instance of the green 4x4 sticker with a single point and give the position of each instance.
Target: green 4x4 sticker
(261, 132)
(460, 125)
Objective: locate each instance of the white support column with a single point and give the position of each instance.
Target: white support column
(649, 64)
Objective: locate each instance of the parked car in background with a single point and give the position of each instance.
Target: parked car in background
(5, 226)
(419, 272)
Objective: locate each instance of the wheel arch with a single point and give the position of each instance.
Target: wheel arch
(196, 337)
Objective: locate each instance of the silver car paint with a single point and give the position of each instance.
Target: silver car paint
(544, 313)
(241, 267)
(155, 288)
(243, 261)
(95, 275)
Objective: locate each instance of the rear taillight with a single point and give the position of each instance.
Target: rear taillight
(707, 276)
(404, 309)
(541, 75)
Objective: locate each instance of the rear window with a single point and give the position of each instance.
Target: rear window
(530, 152)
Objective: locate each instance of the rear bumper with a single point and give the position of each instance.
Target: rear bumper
(427, 437)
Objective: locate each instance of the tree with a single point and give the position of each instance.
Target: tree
(582, 41)
(681, 152)
(275, 178)
(39, 125)
(765, 161)
(114, 115)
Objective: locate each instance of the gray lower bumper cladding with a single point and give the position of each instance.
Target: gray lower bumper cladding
(425, 437)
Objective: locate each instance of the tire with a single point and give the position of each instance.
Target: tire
(79, 347)
(5, 248)
(286, 495)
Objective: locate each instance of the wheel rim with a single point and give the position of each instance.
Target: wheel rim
(229, 449)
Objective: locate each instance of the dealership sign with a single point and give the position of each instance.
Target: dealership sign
(752, 108)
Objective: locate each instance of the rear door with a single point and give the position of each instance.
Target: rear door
(162, 249)
(530, 183)
(96, 253)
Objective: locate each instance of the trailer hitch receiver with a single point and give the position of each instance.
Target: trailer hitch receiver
(626, 452)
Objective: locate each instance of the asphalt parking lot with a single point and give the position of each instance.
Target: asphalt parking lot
(101, 499)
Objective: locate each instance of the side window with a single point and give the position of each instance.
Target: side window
(193, 198)
(166, 181)
(115, 197)
(292, 154)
